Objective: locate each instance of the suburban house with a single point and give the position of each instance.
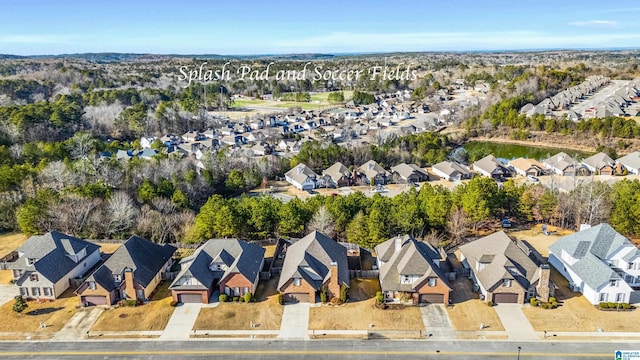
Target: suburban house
(598, 262)
(631, 162)
(491, 167)
(232, 266)
(503, 272)
(600, 164)
(302, 177)
(133, 271)
(451, 171)
(409, 174)
(46, 264)
(527, 167)
(339, 175)
(408, 266)
(311, 263)
(561, 164)
(372, 173)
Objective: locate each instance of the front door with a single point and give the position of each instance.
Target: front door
(140, 294)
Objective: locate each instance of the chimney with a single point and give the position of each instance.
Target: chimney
(543, 283)
(398, 244)
(130, 288)
(334, 282)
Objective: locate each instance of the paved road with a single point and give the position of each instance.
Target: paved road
(295, 321)
(328, 349)
(436, 322)
(515, 323)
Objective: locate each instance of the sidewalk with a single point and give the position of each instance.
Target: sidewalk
(515, 323)
(436, 322)
(295, 322)
(181, 322)
(78, 327)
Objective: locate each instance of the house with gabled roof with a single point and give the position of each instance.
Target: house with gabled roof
(302, 177)
(630, 162)
(371, 173)
(47, 262)
(451, 171)
(527, 167)
(408, 174)
(133, 271)
(338, 175)
(231, 266)
(600, 164)
(561, 164)
(598, 262)
(503, 272)
(311, 264)
(491, 167)
(408, 266)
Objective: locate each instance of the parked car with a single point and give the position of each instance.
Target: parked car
(506, 223)
(533, 178)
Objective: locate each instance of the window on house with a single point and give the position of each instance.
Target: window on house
(47, 291)
(296, 281)
(620, 297)
(638, 279)
(31, 261)
(17, 273)
(24, 291)
(432, 281)
(506, 282)
(236, 291)
(92, 285)
(35, 291)
(117, 278)
(245, 290)
(33, 277)
(604, 297)
(613, 283)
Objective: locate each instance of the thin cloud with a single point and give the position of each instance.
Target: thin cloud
(34, 39)
(594, 23)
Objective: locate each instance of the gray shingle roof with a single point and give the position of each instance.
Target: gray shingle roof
(300, 173)
(560, 161)
(590, 247)
(238, 255)
(371, 168)
(311, 257)
(631, 160)
(598, 161)
(501, 256)
(451, 168)
(406, 170)
(413, 258)
(337, 171)
(144, 257)
(52, 251)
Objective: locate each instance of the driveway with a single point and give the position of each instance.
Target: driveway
(515, 323)
(295, 322)
(79, 325)
(7, 293)
(181, 322)
(436, 322)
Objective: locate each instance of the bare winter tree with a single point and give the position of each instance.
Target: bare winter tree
(323, 222)
(71, 213)
(592, 202)
(121, 214)
(458, 225)
(80, 145)
(435, 238)
(102, 118)
(161, 222)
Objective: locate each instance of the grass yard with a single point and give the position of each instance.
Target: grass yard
(265, 313)
(270, 250)
(55, 314)
(575, 313)
(10, 242)
(538, 240)
(6, 276)
(148, 317)
(468, 312)
(361, 311)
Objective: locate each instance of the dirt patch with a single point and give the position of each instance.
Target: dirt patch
(468, 311)
(53, 314)
(151, 316)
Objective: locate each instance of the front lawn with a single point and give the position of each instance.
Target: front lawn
(10, 242)
(151, 316)
(54, 314)
(468, 312)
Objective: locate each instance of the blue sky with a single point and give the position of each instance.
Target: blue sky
(276, 27)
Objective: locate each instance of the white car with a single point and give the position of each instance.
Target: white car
(533, 178)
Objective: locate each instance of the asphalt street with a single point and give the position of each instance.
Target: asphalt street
(327, 349)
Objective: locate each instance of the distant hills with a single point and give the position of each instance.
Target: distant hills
(118, 57)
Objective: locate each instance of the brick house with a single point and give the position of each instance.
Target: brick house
(133, 272)
(311, 263)
(503, 273)
(232, 266)
(412, 267)
(47, 262)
